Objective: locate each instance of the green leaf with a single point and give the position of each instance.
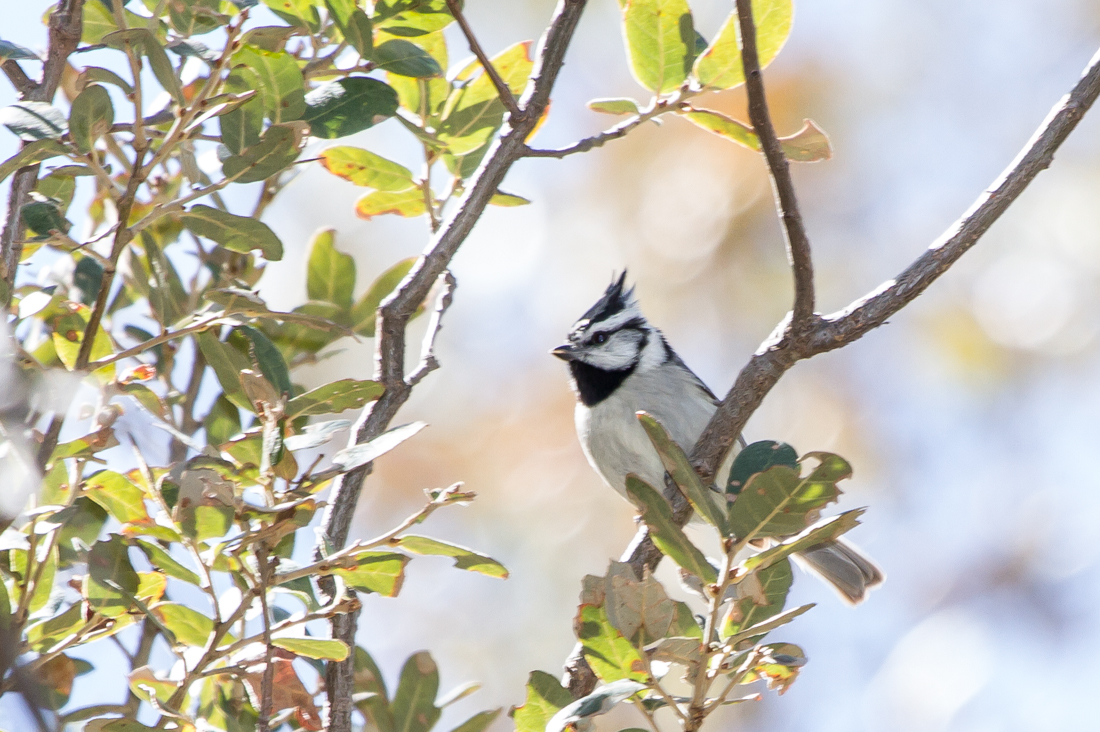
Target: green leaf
(777, 502)
(34, 121)
(353, 457)
(90, 117)
(328, 650)
(769, 625)
(236, 233)
(227, 363)
(81, 523)
(668, 537)
(269, 358)
(222, 422)
(43, 218)
(330, 275)
(809, 145)
(413, 705)
(759, 597)
(479, 722)
(278, 79)
(661, 42)
(611, 656)
(600, 701)
(408, 203)
(677, 464)
(464, 558)
(164, 562)
(31, 153)
(614, 105)
(111, 581)
(123, 500)
(364, 168)
(403, 58)
(412, 17)
(279, 147)
(241, 126)
(194, 17)
(106, 76)
(335, 397)
(349, 105)
(685, 624)
(545, 697)
(354, 24)
(756, 458)
(474, 112)
(190, 627)
(507, 200)
(44, 634)
(143, 41)
(720, 67)
(821, 532)
(363, 314)
(381, 572)
(206, 522)
(370, 684)
(15, 52)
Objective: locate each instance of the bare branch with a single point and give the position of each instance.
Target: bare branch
(18, 78)
(397, 309)
(657, 107)
(798, 244)
(503, 91)
(428, 362)
(834, 331)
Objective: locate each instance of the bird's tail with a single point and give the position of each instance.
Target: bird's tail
(840, 563)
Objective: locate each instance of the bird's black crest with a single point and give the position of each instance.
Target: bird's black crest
(614, 301)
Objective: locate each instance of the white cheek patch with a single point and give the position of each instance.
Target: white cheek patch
(620, 352)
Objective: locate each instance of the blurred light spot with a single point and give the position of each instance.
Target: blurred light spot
(1024, 300)
(687, 203)
(931, 673)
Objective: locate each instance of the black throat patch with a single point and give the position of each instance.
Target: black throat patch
(593, 384)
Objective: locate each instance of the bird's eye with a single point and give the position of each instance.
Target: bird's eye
(599, 338)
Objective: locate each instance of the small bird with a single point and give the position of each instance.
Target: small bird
(620, 365)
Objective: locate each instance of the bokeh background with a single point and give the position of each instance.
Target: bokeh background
(971, 419)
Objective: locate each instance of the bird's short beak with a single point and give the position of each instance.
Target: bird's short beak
(566, 352)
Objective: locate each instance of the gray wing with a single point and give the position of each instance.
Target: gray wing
(673, 357)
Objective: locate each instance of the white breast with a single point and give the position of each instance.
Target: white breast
(615, 443)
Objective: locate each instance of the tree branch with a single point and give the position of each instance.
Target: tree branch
(64, 35)
(657, 107)
(798, 244)
(503, 91)
(18, 78)
(397, 309)
(839, 329)
(786, 345)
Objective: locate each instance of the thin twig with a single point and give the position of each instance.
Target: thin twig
(505, 94)
(428, 362)
(798, 244)
(656, 108)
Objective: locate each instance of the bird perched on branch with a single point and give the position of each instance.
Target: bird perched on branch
(620, 365)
